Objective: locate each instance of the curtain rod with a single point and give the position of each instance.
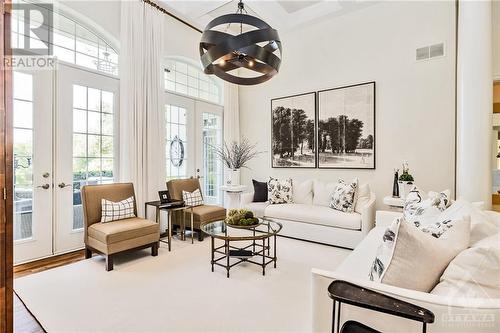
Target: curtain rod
(164, 11)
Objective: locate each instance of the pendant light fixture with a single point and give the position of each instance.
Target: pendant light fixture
(255, 50)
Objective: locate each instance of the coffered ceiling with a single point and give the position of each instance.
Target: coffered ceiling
(282, 15)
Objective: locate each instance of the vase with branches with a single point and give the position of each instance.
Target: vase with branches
(236, 156)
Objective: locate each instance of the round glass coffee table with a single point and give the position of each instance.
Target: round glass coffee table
(254, 244)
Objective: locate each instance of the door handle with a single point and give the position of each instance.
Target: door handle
(63, 185)
(44, 186)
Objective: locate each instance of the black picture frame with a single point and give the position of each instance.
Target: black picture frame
(164, 196)
(372, 113)
(310, 106)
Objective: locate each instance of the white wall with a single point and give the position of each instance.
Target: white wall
(105, 14)
(415, 105)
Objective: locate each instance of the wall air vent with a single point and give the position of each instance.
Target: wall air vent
(429, 52)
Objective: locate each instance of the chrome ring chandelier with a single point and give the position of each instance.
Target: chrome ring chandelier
(222, 52)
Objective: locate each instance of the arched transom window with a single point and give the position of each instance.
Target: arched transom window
(187, 79)
(72, 42)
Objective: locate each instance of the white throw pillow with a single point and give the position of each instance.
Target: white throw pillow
(322, 193)
(423, 212)
(363, 197)
(482, 225)
(114, 211)
(386, 249)
(280, 191)
(344, 196)
(192, 199)
(418, 259)
(474, 272)
(303, 192)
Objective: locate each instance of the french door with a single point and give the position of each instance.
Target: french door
(64, 138)
(193, 128)
(86, 147)
(33, 169)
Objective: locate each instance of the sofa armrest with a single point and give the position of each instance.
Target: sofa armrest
(384, 218)
(368, 215)
(444, 307)
(246, 198)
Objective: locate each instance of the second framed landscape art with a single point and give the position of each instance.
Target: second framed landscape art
(333, 130)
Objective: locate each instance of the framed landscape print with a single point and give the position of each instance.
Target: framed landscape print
(293, 131)
(346, 127)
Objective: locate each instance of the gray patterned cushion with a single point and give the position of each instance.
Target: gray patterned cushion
(279, 191)
(425, 212)
(344, 196)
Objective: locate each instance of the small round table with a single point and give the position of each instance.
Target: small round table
(253, 250)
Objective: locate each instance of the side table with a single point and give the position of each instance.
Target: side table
(394, 203)
(233, 194)
(345, 292)
(170, 207)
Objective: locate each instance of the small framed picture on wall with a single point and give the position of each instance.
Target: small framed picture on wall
(346, 127)
(293, 120)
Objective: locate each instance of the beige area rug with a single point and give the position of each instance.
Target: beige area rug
(177, 292)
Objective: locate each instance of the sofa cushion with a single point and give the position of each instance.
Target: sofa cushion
(206, 213)
(279, 191)
(117, 231)
(322, 192)
(482, 225)
(422, 212)
(258, 208)
(475, 272)
(259, 191)
(303, 192)
(344, 196)
(315, 215)
(419, 259)
(363, 195)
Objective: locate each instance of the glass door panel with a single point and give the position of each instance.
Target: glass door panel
(32, 125)
(192, 129)
(179, 137)
(212, 165)
(86, 151)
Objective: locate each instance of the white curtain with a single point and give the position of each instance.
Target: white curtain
(141, 100)
(231, 118)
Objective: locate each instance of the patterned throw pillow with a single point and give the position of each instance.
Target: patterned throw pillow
(386, 249)
(192, 198)
(425, 212)
(344, 196)
(279, 191)
(113, 211)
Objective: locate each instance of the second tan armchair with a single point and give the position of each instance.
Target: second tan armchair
(201, 214)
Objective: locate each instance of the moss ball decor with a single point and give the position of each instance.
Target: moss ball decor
(241, 217)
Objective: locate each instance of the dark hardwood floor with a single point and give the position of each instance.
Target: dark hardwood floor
(24, 322)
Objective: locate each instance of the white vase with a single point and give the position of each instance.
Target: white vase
(404, 188)
(234, 177)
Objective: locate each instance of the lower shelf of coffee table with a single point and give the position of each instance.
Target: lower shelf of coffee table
(257, 251)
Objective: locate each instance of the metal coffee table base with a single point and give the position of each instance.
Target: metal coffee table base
(258, 251)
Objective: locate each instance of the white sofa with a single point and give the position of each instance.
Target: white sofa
(452, 314)
(309, 217)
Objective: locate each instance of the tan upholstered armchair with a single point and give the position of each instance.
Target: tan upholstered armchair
(111, 238)
(201, 214)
